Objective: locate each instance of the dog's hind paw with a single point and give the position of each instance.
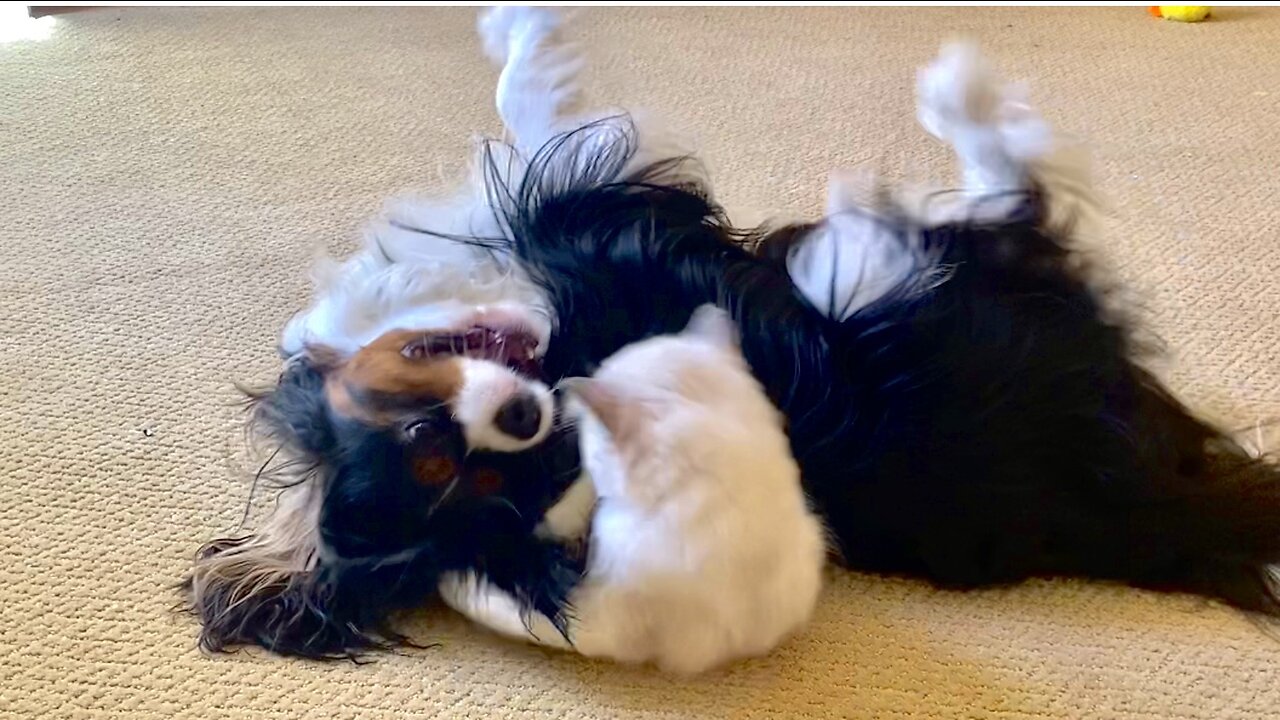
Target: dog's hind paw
(958, 90)
(995, 133)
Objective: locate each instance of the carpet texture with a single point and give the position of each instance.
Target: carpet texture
(167, 174)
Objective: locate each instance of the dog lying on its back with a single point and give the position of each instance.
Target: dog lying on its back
(961, 404)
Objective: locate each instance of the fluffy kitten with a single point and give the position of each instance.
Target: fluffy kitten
(702, 547)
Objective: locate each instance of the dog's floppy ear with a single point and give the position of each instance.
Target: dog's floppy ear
(265, 588)
(278, 590)
(295, 413)
(274, 588)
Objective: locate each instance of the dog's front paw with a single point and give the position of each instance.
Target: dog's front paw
(455, 589)
(498, 610)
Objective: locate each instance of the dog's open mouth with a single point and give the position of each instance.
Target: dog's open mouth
(516, 348)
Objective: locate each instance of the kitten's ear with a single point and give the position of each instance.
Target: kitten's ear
(714, 325)
(606, 403)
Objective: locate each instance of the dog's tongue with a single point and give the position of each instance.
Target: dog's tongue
(518, 353)
(515, 349)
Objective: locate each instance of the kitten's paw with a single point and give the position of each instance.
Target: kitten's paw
(499, 27)
(569, 519)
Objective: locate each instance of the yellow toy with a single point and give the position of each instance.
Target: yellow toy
(1181, 13)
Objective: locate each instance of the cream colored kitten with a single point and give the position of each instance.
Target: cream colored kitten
(702, 547)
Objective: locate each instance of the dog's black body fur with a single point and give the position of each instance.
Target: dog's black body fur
(994, 427)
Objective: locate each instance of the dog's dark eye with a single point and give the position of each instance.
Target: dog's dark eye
(435, 434)
(486, 481)
(422, 349)
(417, 430)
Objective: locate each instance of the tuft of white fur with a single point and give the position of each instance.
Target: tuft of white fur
(702, 547)
(853, 258)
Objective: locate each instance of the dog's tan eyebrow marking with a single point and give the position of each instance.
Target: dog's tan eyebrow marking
(374, 384)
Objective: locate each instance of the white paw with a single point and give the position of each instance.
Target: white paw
(497, 610)
(483, 603)
(994, 132)
(500, 26)
(958, 90)
(456, 589)
(569, 519)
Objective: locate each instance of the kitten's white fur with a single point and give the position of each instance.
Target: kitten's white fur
(702, 547)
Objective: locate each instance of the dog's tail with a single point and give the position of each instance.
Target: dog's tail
(1206, 518)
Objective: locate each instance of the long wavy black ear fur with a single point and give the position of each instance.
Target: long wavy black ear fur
(274, 587)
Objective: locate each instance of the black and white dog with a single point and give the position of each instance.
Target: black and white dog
(966, 404)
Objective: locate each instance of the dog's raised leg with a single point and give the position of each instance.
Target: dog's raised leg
(996, 136)
(858, 256)
(1003, 146)
(535, 91)
(539, 81)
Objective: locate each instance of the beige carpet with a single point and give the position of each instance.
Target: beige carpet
(165, 174)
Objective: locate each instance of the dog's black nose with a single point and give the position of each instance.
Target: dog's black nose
(520, 417)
